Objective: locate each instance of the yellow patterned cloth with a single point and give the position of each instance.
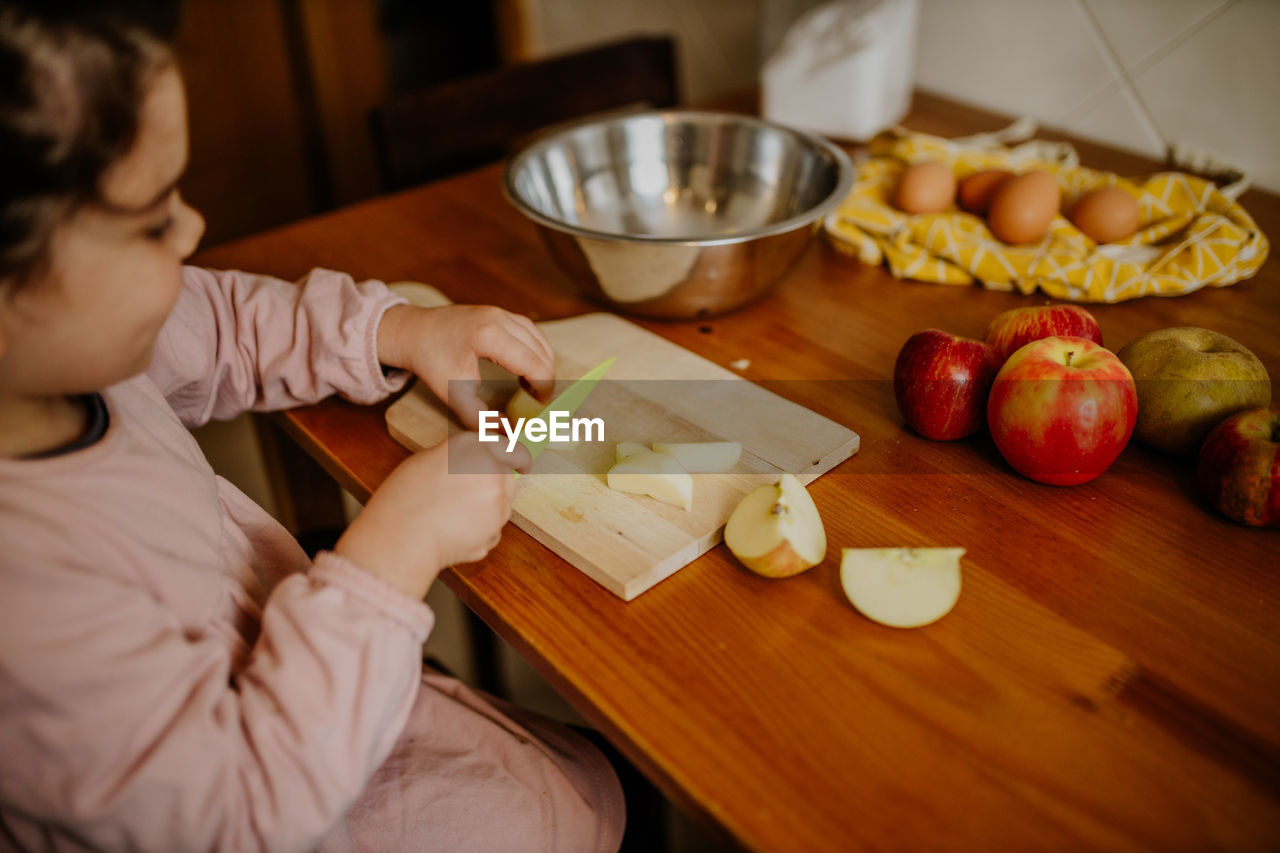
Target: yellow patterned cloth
(1192, 234)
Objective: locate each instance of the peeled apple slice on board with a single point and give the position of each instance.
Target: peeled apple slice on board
(902, 587)
(658, 475)
(623, 449)
(702, 457)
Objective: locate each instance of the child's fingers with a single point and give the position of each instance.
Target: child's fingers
(473, 456)
(524, 351)
(517, 458)
(465, 403)
(529, 363)
(530, 335)
(483, 551)
(540, 343)
(543, 393)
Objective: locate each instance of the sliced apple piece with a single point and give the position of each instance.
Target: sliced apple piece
(623, 449)
(902, 587)
(776, 531)
(658, 475)
(524, 405)
(702, 457)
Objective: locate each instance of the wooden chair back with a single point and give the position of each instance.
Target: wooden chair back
(446, 129)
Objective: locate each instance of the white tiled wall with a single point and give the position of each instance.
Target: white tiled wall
(1138, 74)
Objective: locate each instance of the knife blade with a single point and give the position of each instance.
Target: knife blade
(567, 401)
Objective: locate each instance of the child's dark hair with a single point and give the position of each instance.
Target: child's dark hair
(72, 77)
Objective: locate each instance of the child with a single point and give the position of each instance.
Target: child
(174, 673)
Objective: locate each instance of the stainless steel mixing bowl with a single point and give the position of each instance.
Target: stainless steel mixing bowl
(677, 214)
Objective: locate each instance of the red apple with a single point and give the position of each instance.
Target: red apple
(1061, 410)
(941, 382)
(1239, 467)
(1018, 327)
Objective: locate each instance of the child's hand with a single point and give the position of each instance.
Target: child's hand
(441, 346)
(440, 507)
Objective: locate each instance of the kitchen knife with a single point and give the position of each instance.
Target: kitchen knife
(568, 401)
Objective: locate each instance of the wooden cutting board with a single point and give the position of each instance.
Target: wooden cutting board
(655, 391)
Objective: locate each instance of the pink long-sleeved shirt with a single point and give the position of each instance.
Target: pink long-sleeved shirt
(175, 674)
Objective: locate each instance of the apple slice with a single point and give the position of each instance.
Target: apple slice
(776, 531)
(702, 457)
(902, 587)
(623, 449)
(524, 405)
(658, 475)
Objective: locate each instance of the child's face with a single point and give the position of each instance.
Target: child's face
(115, 270)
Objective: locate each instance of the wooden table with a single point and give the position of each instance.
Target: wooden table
(1109, 679)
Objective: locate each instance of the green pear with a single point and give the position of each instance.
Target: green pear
(1189, 379)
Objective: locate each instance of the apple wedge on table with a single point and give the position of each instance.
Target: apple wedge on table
(776, 531)
(902, 587)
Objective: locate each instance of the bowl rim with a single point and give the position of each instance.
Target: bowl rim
(844, 178)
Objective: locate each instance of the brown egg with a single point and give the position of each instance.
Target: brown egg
(1023, 207)
(976, 189)
(926, 187)
(1106, 215)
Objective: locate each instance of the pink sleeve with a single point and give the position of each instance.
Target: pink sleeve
(126, 732)
(237, 341)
